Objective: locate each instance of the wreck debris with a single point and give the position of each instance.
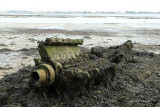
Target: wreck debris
(63, 66)
(45, 74)
(53, 52)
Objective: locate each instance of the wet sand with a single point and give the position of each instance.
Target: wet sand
(18, 46)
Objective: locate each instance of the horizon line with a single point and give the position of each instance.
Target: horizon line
(74, 11)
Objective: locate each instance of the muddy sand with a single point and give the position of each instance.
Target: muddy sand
(135, 83)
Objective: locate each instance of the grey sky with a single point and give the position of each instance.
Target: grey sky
(81, 5)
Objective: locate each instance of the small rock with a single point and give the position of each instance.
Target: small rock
(122, 98)
(24, 58)
(148, 73)
(99, 92)
(105, 42)
(3, 98)
(3, 44)
(158, 73)
(87, 37)
(32, 40)
(13, 43)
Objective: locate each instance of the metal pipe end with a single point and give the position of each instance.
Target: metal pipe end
(39, 75)
(45, 74)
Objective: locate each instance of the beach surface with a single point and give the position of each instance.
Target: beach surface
(19, 35)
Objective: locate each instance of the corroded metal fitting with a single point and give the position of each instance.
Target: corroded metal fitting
(60, 41)
(45, 74)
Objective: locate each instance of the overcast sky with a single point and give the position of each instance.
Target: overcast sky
(81, 5)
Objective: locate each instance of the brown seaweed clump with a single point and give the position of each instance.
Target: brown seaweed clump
(113, 76)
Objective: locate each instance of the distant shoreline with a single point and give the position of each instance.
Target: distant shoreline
(78, 15)
(17, 12)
